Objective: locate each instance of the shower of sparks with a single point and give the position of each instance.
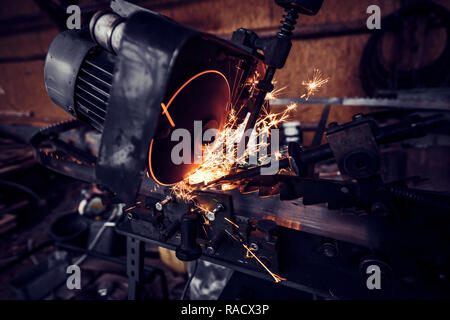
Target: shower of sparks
(218, 162)
(183, 191)
(313, 84)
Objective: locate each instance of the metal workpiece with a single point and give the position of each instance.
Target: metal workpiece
(314, 219)
(426, 102)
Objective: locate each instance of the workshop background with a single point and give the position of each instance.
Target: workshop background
(332, 41)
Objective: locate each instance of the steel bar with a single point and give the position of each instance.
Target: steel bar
(424, 103)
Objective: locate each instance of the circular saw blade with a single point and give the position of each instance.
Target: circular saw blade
(205, 97)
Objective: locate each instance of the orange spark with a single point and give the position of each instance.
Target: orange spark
(313, 84)
(226, 187)
(248, 255)
(206, 233)
(249, 252)
(276, 277)
(163, 106)
(234, 224)
(274, 93)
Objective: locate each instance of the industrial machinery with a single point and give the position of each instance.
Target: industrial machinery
(137, 76)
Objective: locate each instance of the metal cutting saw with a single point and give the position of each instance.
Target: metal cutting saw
(137, 76)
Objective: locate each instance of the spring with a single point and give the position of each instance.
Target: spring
(404, 193)
(288, 24)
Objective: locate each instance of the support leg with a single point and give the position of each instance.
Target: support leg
(135, 267)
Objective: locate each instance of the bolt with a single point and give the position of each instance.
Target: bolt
(358, 116)
(211, 216)
(254, 246)
(160, 205)
(219, 207)
(130, 215)
(210, 250)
